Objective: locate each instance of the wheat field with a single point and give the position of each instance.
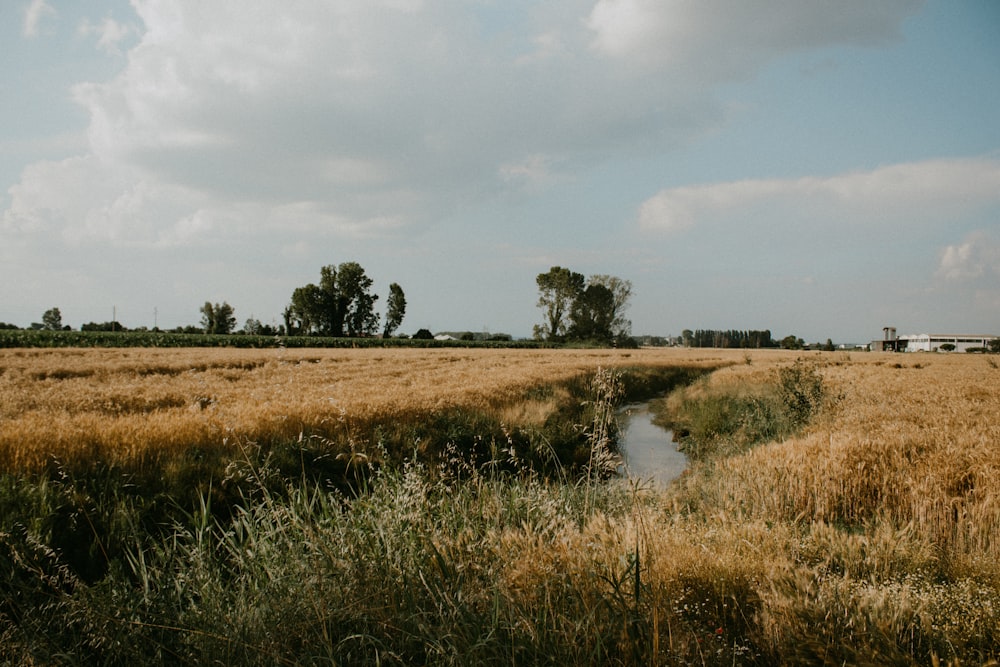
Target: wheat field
(127, 405)
(870, 535)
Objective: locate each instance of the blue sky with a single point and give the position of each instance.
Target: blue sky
(821, 169)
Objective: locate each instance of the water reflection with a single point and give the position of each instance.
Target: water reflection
(648, 451)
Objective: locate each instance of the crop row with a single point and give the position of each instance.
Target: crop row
(41, 338)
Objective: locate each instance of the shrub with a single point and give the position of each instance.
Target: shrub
(801, 391)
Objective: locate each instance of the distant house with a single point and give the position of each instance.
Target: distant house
(444, 337)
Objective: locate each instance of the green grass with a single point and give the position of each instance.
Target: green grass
(710, 424)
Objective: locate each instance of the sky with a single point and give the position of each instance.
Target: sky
(817, 168)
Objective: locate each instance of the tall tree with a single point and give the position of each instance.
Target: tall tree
(218, 318)
(592, 314)
(557, 290)
(305, 312)
(52, 319)
(357, 303)
(395, 309)
(208, 317)
(621, 292)
(341, 303)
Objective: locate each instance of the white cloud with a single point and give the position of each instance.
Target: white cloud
(977, 257)
(110, 34)
(36, 12)
(901, 194)
(397, 110)
(301, 127)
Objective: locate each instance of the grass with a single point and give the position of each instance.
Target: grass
(861, 529)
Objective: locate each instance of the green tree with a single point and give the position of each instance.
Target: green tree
(341, 304)
(792, 343)
(253, 327)
(52, 320)
(558, 289)
(305, 312)
(621, 292)
(395, 309)
(356, 301)
(592, 314)
(218, 318)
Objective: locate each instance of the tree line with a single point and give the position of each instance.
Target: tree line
(341, 305)
(731, 338)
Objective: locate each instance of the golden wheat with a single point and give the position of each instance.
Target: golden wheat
(126, 404)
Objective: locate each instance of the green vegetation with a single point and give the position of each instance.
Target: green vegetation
(39, 338)
(732, 338)
(217, 318)
(711, 423)
(589, 311)
(341, 305)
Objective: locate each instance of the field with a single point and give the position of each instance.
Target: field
(127, 406)
(168, 506)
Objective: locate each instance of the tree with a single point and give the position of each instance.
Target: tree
(305, 313)
(792, 343)
(253, 327)
(357, 303)
(395, 309)
(592, 314)
(52, 320)
(103, 326)
(341, 304)
(621, 291)
(218, 318)
(558, 289)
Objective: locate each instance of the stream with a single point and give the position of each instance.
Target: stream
(648, 451)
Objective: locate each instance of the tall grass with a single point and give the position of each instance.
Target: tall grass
(862, 533)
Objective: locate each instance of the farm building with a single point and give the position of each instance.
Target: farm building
(929, 342)
(935, 342)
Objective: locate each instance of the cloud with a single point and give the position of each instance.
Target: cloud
(976, 258)
(289, 126)
(110, 34)
(533, 172)
(908, 192)
(36, 12)
(729, 40)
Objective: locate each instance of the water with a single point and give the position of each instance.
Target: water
(648, 451)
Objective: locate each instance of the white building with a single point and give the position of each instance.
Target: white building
(933, 342)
